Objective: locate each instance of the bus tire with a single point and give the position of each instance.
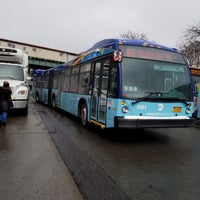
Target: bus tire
(37, 98)
(53, 102)
(83, 114)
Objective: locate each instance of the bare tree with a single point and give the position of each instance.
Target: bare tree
(131, 35)
(191, 44)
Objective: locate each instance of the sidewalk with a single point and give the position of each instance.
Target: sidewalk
(30, 165)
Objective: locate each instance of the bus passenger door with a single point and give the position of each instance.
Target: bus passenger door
(50, 86)
(60, 87)
(99, 91)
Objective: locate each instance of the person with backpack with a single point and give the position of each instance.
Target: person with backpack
(5, 102)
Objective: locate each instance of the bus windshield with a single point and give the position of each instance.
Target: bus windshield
(153, 79)
(12, 72)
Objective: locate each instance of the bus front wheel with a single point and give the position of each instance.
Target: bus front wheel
(83, 114)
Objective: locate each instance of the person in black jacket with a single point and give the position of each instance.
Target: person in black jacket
(5, 102)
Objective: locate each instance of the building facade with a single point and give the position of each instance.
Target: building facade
(40, 57)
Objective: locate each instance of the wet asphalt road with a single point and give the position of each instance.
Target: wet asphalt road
(155, 164)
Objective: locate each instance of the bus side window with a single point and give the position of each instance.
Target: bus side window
(112, 90)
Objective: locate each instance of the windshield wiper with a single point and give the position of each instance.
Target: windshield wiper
(159, 94)
(178, 99)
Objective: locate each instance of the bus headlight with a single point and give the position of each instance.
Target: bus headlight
(187, 110)
(125, 109)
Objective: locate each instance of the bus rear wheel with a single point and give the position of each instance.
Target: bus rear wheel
(53, 103)
(83, 114)
(37, 98)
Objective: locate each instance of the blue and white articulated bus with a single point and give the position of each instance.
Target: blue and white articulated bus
(123, 83)
(14, 69)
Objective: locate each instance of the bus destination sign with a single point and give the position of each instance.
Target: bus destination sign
(151, 54)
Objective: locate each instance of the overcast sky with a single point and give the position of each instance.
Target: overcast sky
(75, 25)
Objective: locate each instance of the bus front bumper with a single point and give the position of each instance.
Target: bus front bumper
(154, 122)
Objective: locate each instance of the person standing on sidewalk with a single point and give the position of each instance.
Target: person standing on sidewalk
(5, 102)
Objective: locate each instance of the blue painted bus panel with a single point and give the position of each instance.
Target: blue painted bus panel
(70, 101)
(45, 95)
(113, 44)
(145, 109)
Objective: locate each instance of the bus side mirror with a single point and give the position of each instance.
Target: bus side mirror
(117, 56)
